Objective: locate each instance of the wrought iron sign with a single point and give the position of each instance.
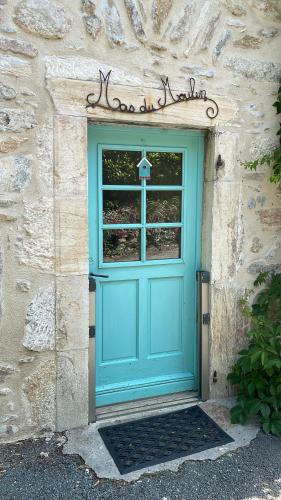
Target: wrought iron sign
(168, 98)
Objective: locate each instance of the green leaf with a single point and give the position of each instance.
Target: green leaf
(265, 409)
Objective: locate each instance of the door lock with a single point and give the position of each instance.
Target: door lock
(92, 281)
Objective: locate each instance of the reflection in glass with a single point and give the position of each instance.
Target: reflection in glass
(163, 243)
(163, 206)
(120, 167)
(166, 168)
(121, 207)
(121, 245)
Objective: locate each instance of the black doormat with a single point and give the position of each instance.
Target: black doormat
(154, 440)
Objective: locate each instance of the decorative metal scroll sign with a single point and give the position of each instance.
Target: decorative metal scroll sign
(168, 98)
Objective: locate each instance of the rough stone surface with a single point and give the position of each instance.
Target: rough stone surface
(72, 388)
(35, 244)
(23, 285)
(270, 217)
(236, 7)
(44, 153)
(254, 69)
(15, 173)
(268, 32)
(39, 388)
(268, 7)
(17, 47)
(5, 370)
(15, 120)
(135, 18)
(256, 245)
(248, 42)
(204, 27)
(86, 68)
(10, 65)
(221, 43)
(43, 17)
(5, 391)
(7, 92)
(181, 28)
(160, 12)
(113, 24)
(93, 25)
(9, 144)
(197, 71)
(88, 6)
(39, 332)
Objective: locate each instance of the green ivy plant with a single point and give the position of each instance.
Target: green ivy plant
(272, 159)
(257, 372)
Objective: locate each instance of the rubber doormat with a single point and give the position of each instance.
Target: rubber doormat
(154, 440)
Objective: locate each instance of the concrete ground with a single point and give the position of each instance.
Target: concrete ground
(87, 442)
(38, 470)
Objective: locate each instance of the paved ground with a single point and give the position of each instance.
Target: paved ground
(252, 473)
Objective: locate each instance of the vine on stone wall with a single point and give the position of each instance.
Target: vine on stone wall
(272, 159)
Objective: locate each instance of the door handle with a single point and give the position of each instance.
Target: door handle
(92, 281)
(98, 275)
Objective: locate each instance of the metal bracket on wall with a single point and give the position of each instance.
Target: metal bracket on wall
(203, 280)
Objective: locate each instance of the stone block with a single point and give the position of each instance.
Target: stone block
(248, 42)
(46, 18)
(270, 217)
(226, 145)
(93, 25)
(225, 337)
(16, 120)
(15, 173)
(10, 65)
(9, 144)
(44, 153)
(71, 226)
(7, 93)
(6, 370)
(72, 389)
(71, 166)
(86, 68)
(253, 69)
(134, 14)
(182, 25)
(160, 13)
(227, 231)
(39, 331)
(72, 312)
(18, 47)
(40, 390)
(35, 241)
(113, 24)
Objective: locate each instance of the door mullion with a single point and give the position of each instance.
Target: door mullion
(143, 221)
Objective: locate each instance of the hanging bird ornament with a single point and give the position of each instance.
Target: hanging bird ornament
(144, 167)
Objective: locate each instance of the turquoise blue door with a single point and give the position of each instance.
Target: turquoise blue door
(144, 234)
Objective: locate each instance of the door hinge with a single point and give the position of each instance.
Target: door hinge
(92, 332)
(206, 318)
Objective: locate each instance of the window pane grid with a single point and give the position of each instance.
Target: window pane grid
(153, 240)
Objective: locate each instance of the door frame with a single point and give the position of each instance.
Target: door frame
(222, 225)
(201, 358)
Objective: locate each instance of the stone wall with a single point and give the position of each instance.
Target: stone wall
(232, 48)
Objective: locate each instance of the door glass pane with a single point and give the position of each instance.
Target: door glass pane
(121, 245)
(163, 206)
(166, 168)
(163, 243)
(120, 167)
(121, 207)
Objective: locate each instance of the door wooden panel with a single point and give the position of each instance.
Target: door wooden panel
(145, 235)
